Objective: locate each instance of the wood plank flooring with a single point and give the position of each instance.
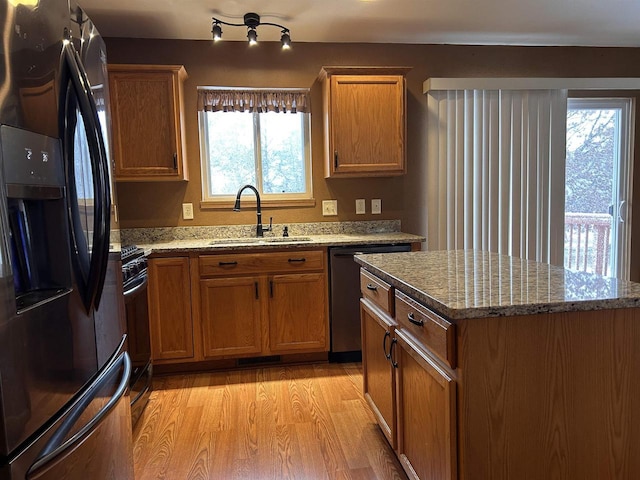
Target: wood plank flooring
(305, 422)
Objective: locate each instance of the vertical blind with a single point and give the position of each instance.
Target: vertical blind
(496, 162)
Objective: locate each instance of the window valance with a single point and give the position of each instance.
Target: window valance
(254, 100)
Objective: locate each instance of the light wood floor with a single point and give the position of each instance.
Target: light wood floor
(306, 422)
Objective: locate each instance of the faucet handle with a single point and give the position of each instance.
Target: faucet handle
(285, 231)
(270, 225)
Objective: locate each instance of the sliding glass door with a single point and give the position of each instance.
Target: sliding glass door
(598, 186)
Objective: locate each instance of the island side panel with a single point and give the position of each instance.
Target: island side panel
(550, 396)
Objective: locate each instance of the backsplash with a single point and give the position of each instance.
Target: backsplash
(166, 234)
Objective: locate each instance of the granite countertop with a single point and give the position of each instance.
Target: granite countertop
(474, 284)
(213, 245)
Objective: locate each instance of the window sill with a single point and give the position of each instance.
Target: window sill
(229, 204)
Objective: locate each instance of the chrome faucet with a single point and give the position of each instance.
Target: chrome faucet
(236, 208)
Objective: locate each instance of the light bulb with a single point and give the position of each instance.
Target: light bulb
(285, 39)
(217, 32)
(252, 35)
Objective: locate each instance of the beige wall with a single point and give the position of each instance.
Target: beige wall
(235, 64)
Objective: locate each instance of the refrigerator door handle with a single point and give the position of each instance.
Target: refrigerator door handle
(102, 206)
(57, 446)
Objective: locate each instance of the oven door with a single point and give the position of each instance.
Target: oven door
(135, 298)
(137, 308)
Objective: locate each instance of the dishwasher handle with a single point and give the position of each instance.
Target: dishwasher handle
(347, 255)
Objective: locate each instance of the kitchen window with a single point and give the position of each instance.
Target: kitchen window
(257, 137)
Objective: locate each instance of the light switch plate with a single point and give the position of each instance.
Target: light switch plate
(329, 207)
(376, 206)
(361, 206)
(187, 211)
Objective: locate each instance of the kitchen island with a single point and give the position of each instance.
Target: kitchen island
(494, 367)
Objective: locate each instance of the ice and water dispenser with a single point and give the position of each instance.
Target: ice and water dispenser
(35, 211)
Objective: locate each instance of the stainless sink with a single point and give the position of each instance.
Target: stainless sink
(258, 240)
(285, 239)
(229, 241)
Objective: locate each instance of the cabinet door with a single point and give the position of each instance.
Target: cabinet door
(146, 112)
(377, 370)
(170, 320)
(426, 414)
(230, 316)
(298, 313)
(367, 124)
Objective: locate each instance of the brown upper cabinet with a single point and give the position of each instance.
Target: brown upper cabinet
(147, 121)
(365, 121)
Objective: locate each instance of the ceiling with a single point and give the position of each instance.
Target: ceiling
(506, 22)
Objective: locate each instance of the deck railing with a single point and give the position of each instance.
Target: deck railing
(587, 242)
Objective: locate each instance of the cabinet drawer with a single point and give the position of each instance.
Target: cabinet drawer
(433, 331)
(256, 263)
(376, 290)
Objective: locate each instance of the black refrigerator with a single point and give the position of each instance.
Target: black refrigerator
(64, 368)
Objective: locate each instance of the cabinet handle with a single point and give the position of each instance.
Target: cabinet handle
(271, 288)
(226, 264)
(392, 350)
(387, 334)
(335, 159)
(175, 160)
(257, 293)
(297, 260)
(372, 287)
(413, 320)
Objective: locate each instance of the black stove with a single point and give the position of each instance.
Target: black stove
(134, 266)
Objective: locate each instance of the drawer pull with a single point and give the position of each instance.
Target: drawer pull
(413, 320)
(297, 260)
(226, 264)
(387, 334)
(372, 287)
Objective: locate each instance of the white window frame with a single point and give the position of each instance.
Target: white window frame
(274, 199)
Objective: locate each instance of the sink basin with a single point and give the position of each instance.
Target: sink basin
(285, 239)
(229, 241)
(258, 240)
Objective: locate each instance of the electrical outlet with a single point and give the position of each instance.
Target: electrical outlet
(361, 206)
(187, 211)
(329, 207)
(376, 206)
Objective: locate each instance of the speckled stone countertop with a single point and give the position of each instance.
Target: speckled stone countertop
(251, 243)
(474, 284)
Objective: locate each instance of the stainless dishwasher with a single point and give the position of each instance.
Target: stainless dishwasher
(346, 344)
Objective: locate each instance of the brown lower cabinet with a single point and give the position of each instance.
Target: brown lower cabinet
(239, 314)
(426, 412)
(378, 372)
(231, 305)
(412, 398)
(297, 313)
(231, 313)
(170, 322)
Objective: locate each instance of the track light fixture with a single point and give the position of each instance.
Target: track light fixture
(251, 21)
